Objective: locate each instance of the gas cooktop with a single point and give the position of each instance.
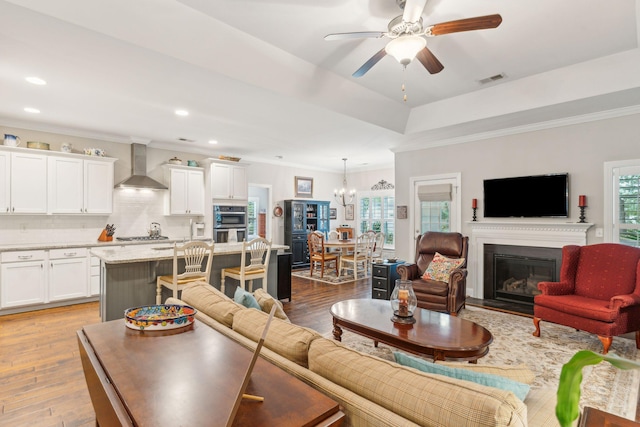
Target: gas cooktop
(141, 238)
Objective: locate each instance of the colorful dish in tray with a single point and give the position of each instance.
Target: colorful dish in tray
(159, 317)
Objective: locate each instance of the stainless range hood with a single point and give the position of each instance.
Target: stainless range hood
(139, 178)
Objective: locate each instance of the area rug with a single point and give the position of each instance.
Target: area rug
(329, 276)
(603, 386)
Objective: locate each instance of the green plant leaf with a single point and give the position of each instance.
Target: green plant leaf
(567, 409)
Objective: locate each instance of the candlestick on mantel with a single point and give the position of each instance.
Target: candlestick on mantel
(582, 203)
(474, 206)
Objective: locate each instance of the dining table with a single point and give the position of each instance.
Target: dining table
(341, 244)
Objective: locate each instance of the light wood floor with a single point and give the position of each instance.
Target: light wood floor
(41, 378)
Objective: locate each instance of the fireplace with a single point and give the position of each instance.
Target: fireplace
(512, 273)
(516, 233)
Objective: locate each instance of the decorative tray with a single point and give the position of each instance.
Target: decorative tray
(159, 317)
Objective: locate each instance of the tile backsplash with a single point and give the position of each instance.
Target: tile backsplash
(133, 211)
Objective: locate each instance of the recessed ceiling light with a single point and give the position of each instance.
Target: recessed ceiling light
(213, 141)
(35, 80)
(31, 110)
(182, 113)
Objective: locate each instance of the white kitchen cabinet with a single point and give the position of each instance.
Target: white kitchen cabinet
(68, 276)
(66, 185)
(229, 182)
(79, 186)
(28, 183)
(186, 191)
(94, 275)
(98, 186)
(23, 278)
(5, 182)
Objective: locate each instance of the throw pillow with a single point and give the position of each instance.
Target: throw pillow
(266, 301)
(245, 298)
(518, 388)
(440, 267)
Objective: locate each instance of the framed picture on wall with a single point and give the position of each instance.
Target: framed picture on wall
(333, 213)
(349, 212)
(401, 212)
(304, 186)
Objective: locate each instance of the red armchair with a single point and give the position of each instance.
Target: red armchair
(598, 292)
(435, 295)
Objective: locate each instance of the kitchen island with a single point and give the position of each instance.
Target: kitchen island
(128, 273)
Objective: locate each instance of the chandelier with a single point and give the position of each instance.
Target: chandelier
(341, 195)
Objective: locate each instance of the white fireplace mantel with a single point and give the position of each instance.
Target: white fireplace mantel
(538, 234)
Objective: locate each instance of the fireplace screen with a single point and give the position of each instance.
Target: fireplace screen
(516, 278)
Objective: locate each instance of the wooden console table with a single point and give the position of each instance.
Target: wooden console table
(592, 417)
(190, 377)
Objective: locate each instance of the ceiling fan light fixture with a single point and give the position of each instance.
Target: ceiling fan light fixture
(405, 48)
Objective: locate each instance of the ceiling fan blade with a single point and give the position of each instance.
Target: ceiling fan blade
(429, 60)
(469, 24)
(413, 10)
(370, 63)
(354, 35)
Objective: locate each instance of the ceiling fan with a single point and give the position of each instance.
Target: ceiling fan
(408, 36)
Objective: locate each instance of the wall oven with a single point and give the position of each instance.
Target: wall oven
(229, 222)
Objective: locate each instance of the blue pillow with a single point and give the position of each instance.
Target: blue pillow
(245, 298)
(518, 388)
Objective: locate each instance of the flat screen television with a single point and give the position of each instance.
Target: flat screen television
(527, 196)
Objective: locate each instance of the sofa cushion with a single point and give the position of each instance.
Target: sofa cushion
(245, 298)
(286, 339)
(440, 268)
(266, 301)
(424, 399)
(520, 373)
(211, 302)
(518, 388)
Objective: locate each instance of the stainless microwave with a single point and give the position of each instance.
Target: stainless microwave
(225, 216)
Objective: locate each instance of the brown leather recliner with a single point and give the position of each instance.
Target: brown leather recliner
(433, 295)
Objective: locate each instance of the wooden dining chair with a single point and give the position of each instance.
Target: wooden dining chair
(194, 254)
(359, 256)
(319, 255)
(375, 254)
(259, 251)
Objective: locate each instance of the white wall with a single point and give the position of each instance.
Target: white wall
(580, 150)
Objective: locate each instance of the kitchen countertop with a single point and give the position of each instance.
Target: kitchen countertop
(160, 250)
(80, 244)
(95, 244)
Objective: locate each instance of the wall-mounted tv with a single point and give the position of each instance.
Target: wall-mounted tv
(527, 196)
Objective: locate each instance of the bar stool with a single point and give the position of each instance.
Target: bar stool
(194, 254)
(259, 250)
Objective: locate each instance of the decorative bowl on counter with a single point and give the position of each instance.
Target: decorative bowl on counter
(175, 161)
(159, 317)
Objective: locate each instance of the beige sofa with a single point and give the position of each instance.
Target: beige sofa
(371, 391)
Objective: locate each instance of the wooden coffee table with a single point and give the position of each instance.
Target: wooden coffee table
(190, 377)
(439, 335)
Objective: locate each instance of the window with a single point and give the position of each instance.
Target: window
(622, 217)
(629, 209)
(376, 211)
(252, 217)
(434, 206)
(434, 216)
